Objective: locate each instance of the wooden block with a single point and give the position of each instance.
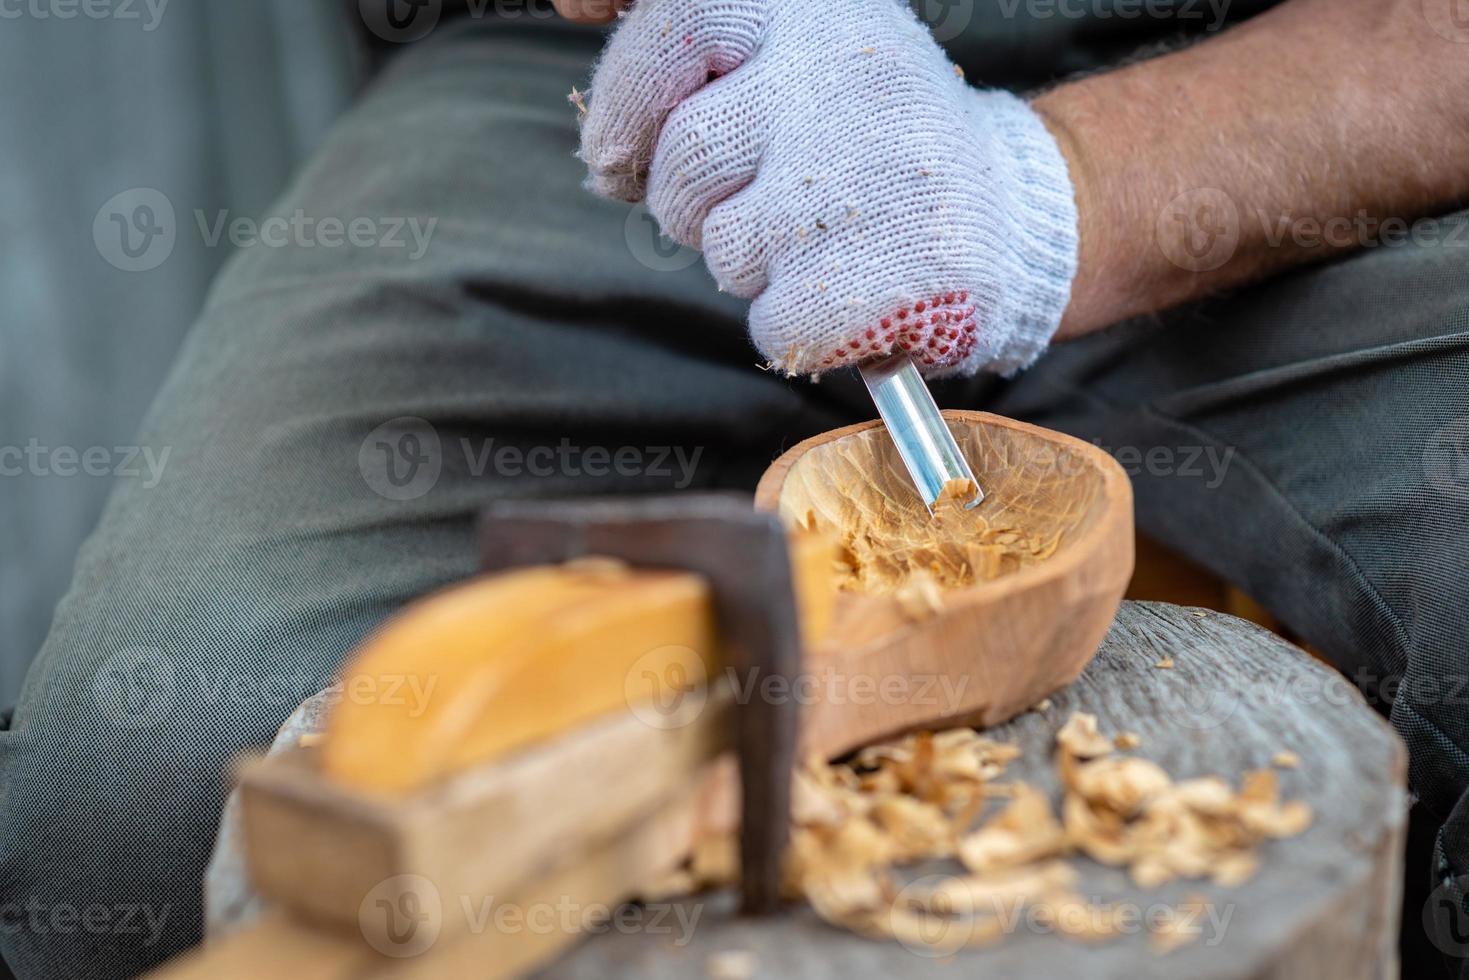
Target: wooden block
(423, 931)
(320, 849)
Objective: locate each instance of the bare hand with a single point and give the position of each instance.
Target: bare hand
(590, 11)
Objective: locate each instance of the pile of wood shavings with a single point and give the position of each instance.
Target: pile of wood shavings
(917, 799)
(890, 550)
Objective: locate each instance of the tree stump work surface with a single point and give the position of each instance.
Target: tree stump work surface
(1324, 904)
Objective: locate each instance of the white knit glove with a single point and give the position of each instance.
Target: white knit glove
(835, 168)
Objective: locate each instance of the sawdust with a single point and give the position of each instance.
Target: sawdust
(918, 798)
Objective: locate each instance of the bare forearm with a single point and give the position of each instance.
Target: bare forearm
(1286, 140)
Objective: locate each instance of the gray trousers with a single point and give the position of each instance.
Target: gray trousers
(339, 415)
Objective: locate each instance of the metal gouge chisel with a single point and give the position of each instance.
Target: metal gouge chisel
(928, 449)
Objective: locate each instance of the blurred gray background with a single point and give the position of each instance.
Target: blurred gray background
(213, 103)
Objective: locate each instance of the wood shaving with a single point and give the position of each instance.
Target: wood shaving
(891, 544)
(1128, 812)
(731, 964)
(1024, 832)
(1285, 760)
(956, 493)
(1165, 664)
(916, 798)
(1080, 737)
(920, 597)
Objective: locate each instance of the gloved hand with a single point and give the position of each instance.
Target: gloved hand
(834, 167)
